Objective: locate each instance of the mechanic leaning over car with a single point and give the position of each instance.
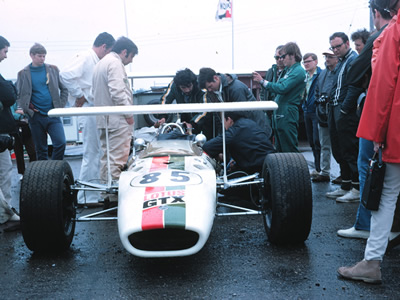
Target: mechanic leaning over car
(228, 88)
(184, 88)
(246, 142)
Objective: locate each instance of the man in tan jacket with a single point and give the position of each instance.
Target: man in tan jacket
(111, 88)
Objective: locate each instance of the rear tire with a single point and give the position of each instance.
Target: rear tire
(151, 119)
(48, 206)
(287, 203)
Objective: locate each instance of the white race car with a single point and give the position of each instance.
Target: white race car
(167, 197)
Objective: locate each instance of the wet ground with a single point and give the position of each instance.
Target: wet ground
(237, 262)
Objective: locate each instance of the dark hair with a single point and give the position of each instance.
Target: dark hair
(292, 49)
(313, 56)
(234, 115)
(123, 43)
(382, 7)
(341, 35)
(206, 75)
(362, 34)
(185, 78)
(3, 43)
(37, 49)
(104, 38)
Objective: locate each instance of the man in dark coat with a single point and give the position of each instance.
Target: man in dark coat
(246, 142)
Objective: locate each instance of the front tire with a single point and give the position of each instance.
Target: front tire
(48, 206)
(287, 203)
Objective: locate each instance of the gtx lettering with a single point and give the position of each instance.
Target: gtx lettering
(164, 200)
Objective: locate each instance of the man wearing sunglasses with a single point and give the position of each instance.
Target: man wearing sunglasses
(276, 72)
(342, 133)
(289, 90)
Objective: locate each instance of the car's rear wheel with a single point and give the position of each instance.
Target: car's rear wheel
(48, 206)
(287, 199)
(151, 119)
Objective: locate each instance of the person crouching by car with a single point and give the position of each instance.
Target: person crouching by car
(247, 143)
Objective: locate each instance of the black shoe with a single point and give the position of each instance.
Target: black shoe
(321, 178)
(337, 180)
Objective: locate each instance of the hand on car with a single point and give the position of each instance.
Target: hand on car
(159, 123)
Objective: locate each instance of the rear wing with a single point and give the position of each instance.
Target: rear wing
(160, 109)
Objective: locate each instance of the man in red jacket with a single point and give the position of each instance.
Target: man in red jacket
(380, 123)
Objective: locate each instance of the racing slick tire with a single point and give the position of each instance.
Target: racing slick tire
(287, 198)
(151, 119)
(48, 206)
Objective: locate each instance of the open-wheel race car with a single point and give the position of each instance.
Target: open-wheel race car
(168, 195)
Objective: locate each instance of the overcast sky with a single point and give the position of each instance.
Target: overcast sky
(174, 34)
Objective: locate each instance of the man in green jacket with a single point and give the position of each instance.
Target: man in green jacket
(289, 91)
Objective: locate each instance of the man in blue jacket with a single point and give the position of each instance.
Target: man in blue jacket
(310, 61)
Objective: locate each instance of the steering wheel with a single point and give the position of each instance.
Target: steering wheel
(172, 126)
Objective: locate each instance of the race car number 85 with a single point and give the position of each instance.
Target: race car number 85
(166, 178)
(176, 176)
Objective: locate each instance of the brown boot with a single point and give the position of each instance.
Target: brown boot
(366, 270)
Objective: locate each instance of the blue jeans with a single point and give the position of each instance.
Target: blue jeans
(366, 150)
(42, 125)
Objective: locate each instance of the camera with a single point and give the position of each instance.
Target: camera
(6, 142)
(323, 99)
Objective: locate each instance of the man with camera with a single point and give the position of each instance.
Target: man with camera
(7, 126)
(322, 90)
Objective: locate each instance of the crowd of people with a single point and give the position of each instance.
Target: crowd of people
(349, 110)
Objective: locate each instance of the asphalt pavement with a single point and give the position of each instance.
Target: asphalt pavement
(237, 262)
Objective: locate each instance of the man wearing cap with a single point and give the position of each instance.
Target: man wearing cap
(322, 92)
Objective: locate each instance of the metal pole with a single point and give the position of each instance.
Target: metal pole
(233, 39)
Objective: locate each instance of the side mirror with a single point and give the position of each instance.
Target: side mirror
(200, 140)
(139, 144)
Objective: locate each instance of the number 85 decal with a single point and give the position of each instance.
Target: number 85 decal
(166, 178)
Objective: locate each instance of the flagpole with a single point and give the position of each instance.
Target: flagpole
(233, 38)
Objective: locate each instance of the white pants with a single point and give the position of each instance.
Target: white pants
(6, 175)
(382, 219)
(119, 141)
(90, 168)
(5, 209)
(325, 142)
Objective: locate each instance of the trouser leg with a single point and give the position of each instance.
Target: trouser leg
(38, 125)
(382, 219)
(6, 175)
(366, 151)
(90, 168)
(325, 150)
(56, 131)
(347, 125)
(119, 145)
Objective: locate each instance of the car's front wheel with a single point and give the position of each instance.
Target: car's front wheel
(48, 206)
(287, 199)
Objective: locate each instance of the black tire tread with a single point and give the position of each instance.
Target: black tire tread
(41, 206)
(292, 198)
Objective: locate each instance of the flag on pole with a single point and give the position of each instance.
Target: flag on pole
(224, 10)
